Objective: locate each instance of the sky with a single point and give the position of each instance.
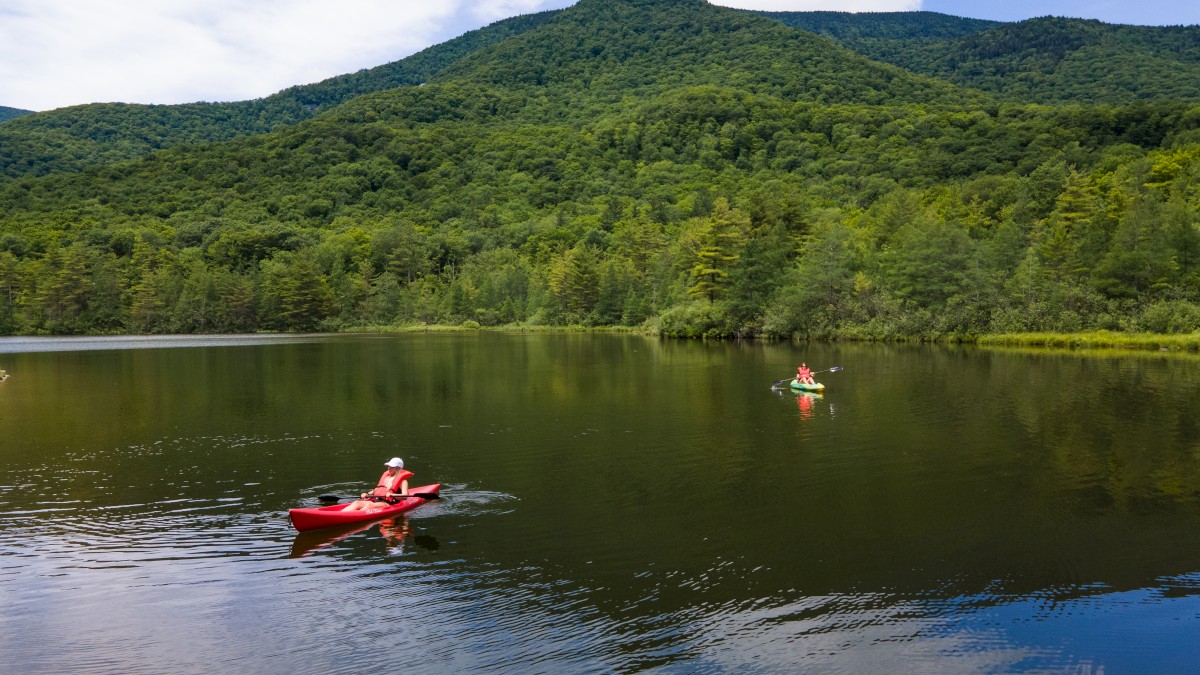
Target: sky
(56, 53)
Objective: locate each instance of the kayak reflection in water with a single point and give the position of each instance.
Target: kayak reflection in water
(392, 486)
(805, 403)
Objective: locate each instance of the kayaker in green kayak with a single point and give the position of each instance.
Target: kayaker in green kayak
(392, 485)
(804, 375)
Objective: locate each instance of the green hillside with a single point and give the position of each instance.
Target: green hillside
(1046, 60)
(859, 29)
(667, 163)
(10, 113)
(1059, 61)
(601, 50)
(76, 137)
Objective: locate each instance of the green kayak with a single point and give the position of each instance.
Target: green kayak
(800, 386)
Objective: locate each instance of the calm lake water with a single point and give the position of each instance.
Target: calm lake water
(611, 504)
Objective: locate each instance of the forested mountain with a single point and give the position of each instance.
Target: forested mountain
(666, 163)
(72, 138)
(598, 49)
(9, 113)
(859, 30)
(1057, 60)
(1046, 60)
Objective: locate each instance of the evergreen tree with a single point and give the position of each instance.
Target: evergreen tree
(296, 294)
(723, 235)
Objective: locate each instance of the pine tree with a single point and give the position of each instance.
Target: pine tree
(721, 245)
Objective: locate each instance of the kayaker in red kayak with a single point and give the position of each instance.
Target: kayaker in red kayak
(392, 485)
(804, 375)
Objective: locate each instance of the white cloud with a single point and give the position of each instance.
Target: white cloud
(63, 52)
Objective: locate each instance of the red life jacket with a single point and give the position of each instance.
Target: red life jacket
(391, 483)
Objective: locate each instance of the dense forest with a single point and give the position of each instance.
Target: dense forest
(9, 113)
(1045, 60)
(666, 164)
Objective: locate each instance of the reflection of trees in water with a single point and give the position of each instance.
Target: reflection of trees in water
(1118, 430)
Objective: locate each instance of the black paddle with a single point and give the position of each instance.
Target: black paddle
(776, 383)
(422, 495)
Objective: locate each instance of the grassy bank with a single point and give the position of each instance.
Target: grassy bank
(1094, 340)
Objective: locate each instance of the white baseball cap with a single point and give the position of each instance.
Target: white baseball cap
(396, 462)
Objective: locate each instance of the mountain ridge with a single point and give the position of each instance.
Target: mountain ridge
(7, 113)
(599, 45)
(967, 52)
(1042, 60)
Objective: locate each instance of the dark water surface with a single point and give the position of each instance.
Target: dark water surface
(612, 504)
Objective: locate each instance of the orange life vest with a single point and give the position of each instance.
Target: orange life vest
(391, 483)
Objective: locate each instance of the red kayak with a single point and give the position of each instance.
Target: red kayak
(330, 516)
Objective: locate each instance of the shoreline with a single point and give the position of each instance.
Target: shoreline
(1110, 340)
(1083, 340)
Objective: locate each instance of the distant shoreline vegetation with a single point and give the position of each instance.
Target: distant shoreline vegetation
(1087, 340)
(1037, 341)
